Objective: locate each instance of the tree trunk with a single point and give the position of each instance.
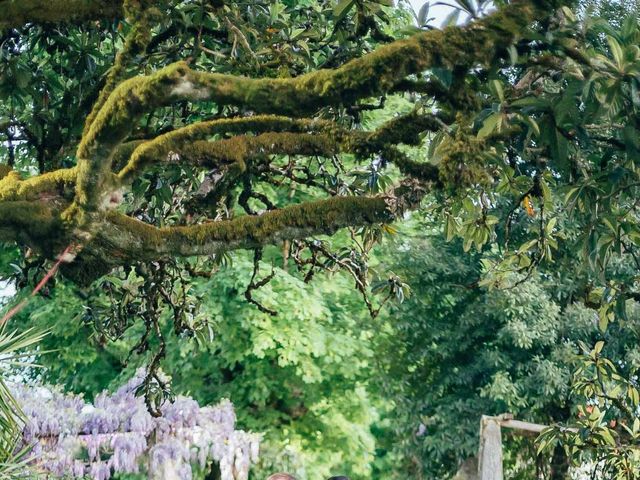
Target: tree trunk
(559, 464)
(214, 472)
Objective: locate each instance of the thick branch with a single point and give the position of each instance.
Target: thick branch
(158, 149)
(282, 135)
(242, 148)
(145, 242)
(30, 223)
(137, 40)
(16, 13)
(12, 188)
(373, 74)
(121, 240)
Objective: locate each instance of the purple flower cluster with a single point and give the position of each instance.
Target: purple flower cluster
(117, 434)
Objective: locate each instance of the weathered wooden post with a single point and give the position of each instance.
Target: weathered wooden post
(490, 454)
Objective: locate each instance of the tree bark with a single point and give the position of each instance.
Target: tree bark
(16, 13)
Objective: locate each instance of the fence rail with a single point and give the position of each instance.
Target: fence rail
(490, 452)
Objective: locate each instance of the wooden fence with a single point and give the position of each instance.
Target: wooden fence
(490, 453)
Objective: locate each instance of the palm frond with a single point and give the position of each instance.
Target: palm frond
(14, 461)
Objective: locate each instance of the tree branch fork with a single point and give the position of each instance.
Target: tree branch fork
(81, 204)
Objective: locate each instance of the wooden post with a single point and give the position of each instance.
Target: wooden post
(490, 455)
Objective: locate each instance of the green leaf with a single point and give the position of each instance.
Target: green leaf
(490, 124)
(533, 125)
(513, 54)
(342, 9)
(498, 90)
(598, 347)
(452, 19)
(616, 51)
(423, 14)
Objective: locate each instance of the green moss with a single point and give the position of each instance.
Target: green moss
(142, 17)
(124, 106)
(32, 223)
(463, 161)
(56, 183)
(123, 152)
(112, 124)
(323, 216)
(379, 71)
(9, 185)
(406, 129)
(16, 13)
(181, 139)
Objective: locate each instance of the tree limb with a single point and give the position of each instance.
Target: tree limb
(121, 240)
(16, 13)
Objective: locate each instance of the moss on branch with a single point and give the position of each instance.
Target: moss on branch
(282, 135)
(240, 149)
(142, 17)
(111, 125)
(30, 223)
(16, 13)
(406, 129)
(121, 240)
(373, 74)
(158, 149)
(13, 188)
(133, 239)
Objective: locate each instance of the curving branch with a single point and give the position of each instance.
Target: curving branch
(275, 135)
(27, 222)
(13, 188)
(16, 13)
(159, 148)
(121, 240)
(146, 242)
(479, 43)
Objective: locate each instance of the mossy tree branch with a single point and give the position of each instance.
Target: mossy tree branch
(275, 135)
(110, 239)
(16, 13)
(159, 148)
(121, 240)
(29, 223)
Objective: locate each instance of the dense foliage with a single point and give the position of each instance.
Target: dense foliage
(299, 377)
(460, 352)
